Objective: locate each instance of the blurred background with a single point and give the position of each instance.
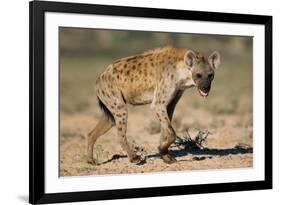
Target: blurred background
(226, 112)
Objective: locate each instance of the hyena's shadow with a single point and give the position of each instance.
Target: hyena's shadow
(196, 152)
(205, 153)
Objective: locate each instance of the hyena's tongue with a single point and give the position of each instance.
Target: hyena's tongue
(202, 93)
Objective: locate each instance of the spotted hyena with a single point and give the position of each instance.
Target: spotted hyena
(158, 77)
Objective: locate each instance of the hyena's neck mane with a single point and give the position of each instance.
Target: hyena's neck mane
(178, 53)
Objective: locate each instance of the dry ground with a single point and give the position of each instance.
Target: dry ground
(228, 146)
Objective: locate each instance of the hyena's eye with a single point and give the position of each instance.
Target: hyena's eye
(211, 76)
(198, 75)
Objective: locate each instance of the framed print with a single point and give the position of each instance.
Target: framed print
(140, 102)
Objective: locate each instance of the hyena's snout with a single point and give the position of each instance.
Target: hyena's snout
(204, 88)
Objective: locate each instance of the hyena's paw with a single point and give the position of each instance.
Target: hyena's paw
(138, 159)
(168, 158)
(92, 161)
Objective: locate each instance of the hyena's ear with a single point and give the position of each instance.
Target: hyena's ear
(189, 58)
(215, 59)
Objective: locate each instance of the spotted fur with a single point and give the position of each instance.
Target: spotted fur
(157, 77)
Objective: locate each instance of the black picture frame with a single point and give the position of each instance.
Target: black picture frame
(37, 11)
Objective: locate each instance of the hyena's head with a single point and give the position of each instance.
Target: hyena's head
(202, 69)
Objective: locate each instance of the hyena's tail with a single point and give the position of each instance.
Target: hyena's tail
(106, 111)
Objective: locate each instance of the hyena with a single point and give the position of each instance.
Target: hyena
(157, 77)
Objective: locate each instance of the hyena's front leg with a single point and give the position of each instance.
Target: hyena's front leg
(172, 105)
(168, 135)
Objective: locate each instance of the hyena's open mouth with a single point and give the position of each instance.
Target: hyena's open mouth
(202, 93)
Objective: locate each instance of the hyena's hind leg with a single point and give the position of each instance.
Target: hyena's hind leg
(121, 115)
(113, 99)
(101, 128)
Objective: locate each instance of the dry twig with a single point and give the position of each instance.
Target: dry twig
(187, 142)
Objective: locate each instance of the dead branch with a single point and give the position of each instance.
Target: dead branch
(187, 142)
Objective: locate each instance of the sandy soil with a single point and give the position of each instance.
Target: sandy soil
(228, 146)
